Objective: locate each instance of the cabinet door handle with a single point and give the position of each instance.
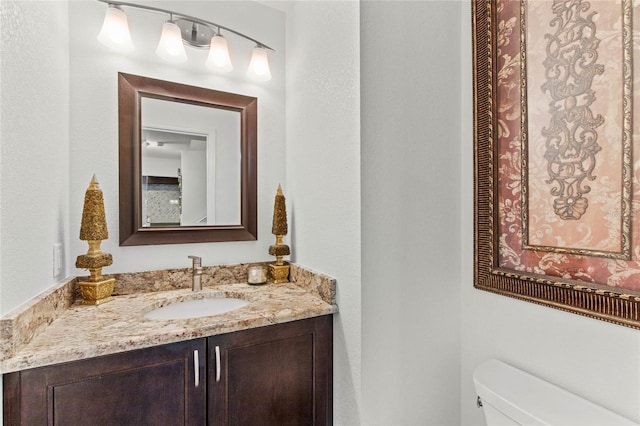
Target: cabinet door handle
(196, 368)
(217, 363)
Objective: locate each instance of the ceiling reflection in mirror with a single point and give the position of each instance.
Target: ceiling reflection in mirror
(190, 164)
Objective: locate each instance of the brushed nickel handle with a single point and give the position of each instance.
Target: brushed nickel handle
(196, 368)
(217, 364)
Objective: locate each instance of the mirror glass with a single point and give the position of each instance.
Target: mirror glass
(188, 163)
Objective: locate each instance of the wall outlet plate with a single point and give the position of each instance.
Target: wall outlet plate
(57, 259)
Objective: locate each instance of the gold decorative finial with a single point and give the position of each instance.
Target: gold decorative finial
(93, 230)
(279, 271)
(94, 183)
(94, 222)
(279, 214)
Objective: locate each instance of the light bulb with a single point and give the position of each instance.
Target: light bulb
(115, 30)
(259, 65)
(218, 59)
(170, 47)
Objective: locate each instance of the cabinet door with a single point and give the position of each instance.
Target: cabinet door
(155, 386)
(275, 375)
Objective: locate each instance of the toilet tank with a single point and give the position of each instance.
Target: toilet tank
(510, 396)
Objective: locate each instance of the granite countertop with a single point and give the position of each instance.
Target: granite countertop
(119, 325)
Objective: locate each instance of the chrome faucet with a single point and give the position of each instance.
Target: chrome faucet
(196, 285)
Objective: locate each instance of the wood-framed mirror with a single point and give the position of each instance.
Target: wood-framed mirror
(187, 163)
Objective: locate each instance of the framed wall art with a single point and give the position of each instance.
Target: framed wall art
(556, 156)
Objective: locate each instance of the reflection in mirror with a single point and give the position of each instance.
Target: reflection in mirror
(199, 149)
(188, 163)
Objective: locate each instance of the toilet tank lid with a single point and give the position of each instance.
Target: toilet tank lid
(530, 400)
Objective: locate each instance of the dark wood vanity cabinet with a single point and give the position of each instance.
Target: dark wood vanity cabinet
(154, 386)
(274, 375)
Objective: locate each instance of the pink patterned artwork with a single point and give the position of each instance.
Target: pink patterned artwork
(565, 167)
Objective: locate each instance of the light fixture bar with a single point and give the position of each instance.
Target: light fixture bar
(212, 25)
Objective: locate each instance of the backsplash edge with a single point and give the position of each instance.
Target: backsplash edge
(23, 323)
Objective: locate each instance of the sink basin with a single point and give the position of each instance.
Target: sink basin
(197, 308)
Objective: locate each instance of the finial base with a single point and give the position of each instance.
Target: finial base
(279, 273)
(96, 293)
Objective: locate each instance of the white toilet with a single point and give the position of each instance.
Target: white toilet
(512, 397)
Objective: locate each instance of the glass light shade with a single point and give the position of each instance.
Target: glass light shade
(218, 59)
(170, 47)
(115, 30)
(259, 65)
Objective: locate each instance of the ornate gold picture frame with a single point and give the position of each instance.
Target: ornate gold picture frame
(557, 186)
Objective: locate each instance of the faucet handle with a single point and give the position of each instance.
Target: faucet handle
(197, 261)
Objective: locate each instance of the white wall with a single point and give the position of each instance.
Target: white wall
(94, 109)
(323, 175)
(194, 187)
(34, 147)
(594, 359)
(410, 212)
(34, 153)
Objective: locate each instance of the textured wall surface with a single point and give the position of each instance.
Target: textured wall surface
(323, 175)
(35, 147)
(410, 212)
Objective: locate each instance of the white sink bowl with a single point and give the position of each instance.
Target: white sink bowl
(197, 308)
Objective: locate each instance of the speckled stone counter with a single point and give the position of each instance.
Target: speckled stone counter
(72, 332)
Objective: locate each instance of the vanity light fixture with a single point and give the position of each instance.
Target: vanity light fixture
(219, 58)
(184, 29)
(115, 30)
(170, 47)
(259, 65)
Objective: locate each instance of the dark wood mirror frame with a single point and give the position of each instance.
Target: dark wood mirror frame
(131, 88)
(592, 299)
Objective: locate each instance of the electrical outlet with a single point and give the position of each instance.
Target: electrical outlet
(57, 259)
